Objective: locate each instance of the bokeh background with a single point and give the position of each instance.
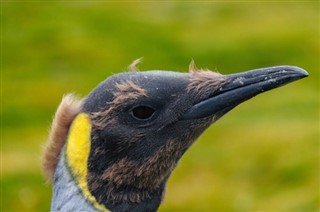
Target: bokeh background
(264, 155)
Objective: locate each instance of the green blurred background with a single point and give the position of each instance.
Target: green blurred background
(264, 155)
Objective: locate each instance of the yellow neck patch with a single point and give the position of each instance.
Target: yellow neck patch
(77, 153)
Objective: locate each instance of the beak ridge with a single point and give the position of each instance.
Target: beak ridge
(243, 86)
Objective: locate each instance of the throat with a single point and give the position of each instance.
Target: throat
(128, 180)
(137, 185)
(126, 197)
(134, 184)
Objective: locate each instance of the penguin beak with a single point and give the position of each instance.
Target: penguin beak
(243, 86)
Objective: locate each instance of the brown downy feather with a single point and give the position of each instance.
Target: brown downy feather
(66, 112)
(133, 66)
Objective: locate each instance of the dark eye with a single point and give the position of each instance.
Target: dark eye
(142, 112)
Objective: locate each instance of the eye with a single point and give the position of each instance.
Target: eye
(142, 112)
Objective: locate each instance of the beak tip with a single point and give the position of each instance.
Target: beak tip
(299, 71)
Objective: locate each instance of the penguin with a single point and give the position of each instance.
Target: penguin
(115, 149)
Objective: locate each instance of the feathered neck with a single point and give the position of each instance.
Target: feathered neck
(75, 161)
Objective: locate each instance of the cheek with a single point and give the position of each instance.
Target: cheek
(116, 141)
(111, 145)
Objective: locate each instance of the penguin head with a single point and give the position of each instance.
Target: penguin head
(143, 122)
(139, 131)
(134, 115)
(128, 134)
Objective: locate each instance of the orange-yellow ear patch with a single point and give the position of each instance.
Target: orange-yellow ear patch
(77, 154)
(78, 147)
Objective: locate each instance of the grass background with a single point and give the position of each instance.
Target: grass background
(264, 155)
